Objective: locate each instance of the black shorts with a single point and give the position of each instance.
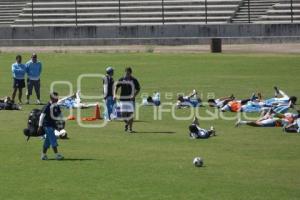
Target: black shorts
(18, 83)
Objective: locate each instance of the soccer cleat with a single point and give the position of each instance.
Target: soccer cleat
(59, 157)
(259, 96)
(44, 157)
(38, 102)
(253, 97)
(193, 136)
(131, 131)
(276, 91)
(213, 130)
(284, 129)
(126, 128)
(238, 123)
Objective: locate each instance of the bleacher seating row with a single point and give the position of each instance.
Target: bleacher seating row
(281, 12)
(141, 12)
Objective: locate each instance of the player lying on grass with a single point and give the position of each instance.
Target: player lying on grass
(74, 101)
(199, 133)
(293, 127)
(193, 100)
(271, 119)
(220, 102)
(235, 105)
(231, 104)
(152, 100)
(281, 102)
(7, 104)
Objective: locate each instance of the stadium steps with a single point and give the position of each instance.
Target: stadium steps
(133, 12)
(258, 8)
(281, 13)
(10, 10)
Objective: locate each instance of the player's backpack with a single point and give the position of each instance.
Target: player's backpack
(33, 124)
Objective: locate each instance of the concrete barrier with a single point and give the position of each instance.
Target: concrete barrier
(158, 34)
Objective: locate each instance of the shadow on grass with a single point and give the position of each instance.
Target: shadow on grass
(74, 159)
(162, 132)
(119, 120)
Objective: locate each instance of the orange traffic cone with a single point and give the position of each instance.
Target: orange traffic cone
(71, 117)
(97, 112)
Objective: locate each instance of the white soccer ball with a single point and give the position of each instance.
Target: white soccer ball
(198, 162)
(60, 134)
(63, 133)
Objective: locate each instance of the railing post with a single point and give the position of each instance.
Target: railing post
(163, 11)
(292, 12)
(32, 20)
(76, 14)
(249, 15)
(120, 19)
(205, 8)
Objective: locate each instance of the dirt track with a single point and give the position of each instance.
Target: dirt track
(248, 48)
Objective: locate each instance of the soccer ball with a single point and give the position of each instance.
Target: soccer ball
(62, 134)
(198, 162)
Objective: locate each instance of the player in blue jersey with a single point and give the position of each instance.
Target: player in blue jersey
(18, 72)
(33, 70)
(50, 114)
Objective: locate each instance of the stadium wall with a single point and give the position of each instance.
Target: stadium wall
(149, 35)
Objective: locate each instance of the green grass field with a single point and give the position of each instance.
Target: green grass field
(156, 163)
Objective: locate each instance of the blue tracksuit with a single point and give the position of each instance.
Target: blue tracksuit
(51, 112)
(18, 71)
(34, 70)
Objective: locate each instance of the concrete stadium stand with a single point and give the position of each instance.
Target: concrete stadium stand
(149, 35)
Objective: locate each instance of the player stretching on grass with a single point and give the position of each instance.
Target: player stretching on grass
(200, 133)
(271, 119)
(50, 113)
(130, 88)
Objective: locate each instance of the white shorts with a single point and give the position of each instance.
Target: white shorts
(126, 106)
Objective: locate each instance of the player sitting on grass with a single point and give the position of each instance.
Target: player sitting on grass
(7, 104)
(50, 114)
(199, 133)
(193, 100)
(271, 119)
